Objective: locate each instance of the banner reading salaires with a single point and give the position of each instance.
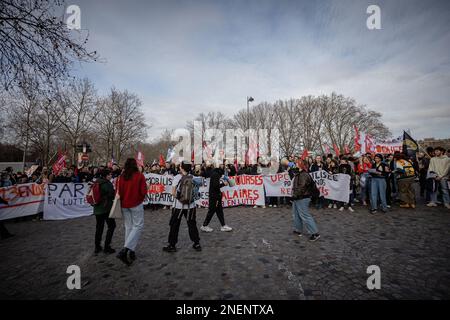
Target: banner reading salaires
(247, 190)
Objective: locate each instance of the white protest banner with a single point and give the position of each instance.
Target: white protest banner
(23, 200)
(159, 189)
(332, 186)
(66, 201)
(388, 147)
(248, 190)
(278, 185)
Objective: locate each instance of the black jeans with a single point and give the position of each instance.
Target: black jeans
(111, 223)
(215, 206)
(175, 221)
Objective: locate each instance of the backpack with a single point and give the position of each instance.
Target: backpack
(94, 196)
(186, 191)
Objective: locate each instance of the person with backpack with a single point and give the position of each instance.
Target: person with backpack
(102, 196)
(185, 192)
(132, 189)
(303, 188)
(405, 175)
(215, 201)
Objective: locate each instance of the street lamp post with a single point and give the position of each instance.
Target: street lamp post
(249, 99)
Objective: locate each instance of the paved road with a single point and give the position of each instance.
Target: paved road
(260, 259)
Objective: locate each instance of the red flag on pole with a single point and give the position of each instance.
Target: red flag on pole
(305, 154)
(59, 164)
(336, 149)
(346, 149)
(357, 140)
(162, 162)
(140, 159)
(327, 149)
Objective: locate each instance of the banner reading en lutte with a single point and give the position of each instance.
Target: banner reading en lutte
(332, 186)
(23, 200)
(66, 201)
(248, 190)
(159, 189)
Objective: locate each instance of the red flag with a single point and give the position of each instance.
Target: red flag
(192, 156)
(59, 164)
(305, 154)
(162, 162)
(140, 159)
(357, 139)
(327, 149)
(336, 149)
(346, 149)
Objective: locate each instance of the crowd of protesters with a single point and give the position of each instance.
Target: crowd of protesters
(379, 181)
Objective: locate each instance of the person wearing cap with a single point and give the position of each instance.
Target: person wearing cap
(378, 175)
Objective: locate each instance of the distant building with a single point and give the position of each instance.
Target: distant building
(432, 142)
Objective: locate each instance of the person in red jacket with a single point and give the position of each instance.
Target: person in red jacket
(132, 191)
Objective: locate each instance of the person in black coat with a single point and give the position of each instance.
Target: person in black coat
(215, 200)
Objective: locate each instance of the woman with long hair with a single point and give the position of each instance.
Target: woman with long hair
(132, 189)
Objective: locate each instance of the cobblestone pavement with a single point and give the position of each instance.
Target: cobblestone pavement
(260, 259)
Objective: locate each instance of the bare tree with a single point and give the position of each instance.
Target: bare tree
(34, 41)
(76, 106)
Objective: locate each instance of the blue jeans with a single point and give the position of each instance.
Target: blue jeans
(300, 212)
(378, 189)
(444, 189)
(134, 223)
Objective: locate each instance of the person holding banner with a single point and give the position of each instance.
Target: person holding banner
(184, 183)
(101, 212)
(378, 174)
(132, 189)
(345, 168)
(302, 191)
(405, 175)
(215, 201)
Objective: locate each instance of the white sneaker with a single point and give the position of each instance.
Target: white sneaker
(341, 209)
(254, 207)
(351, 209)
(206, 229)
(263, 207)
(330, 206)
(334, 206)
(274, 205)
(226, 228)
(270, 206)
(447, 206)
(431, 204)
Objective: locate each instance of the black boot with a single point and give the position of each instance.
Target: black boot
(123, 256)
(109, 250)
(98, 249)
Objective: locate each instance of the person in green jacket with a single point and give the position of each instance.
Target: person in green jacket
(101, 212)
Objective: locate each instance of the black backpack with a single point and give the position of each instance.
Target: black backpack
(186, 190)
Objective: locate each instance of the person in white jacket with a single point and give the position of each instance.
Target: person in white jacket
(440, 169)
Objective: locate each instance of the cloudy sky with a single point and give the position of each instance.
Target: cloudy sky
(187, 57)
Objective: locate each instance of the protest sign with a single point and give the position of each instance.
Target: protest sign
(278, 185)
(332, 186)
(23, 200)
(247, 190)
(159, 189)
(66, 201)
